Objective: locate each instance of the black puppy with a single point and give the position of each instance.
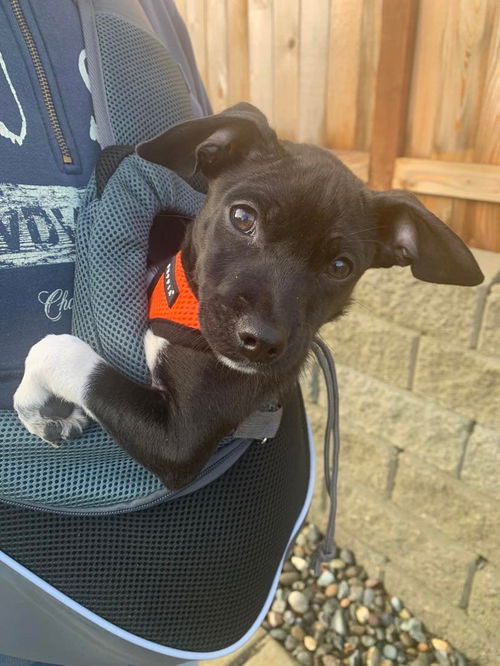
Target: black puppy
(285, 233)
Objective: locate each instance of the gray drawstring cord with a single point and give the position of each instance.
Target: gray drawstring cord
(327, 550)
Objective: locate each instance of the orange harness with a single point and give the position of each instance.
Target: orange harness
(172, 299)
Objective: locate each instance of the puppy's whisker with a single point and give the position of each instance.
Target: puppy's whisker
(361, 231)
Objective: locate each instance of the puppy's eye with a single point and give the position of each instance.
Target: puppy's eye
(243, 218)
(341, 268)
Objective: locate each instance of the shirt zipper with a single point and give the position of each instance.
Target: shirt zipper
(42, 81)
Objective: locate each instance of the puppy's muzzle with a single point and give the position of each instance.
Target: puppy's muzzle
(258, 341)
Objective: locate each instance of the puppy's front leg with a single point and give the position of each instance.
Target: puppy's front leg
(65, 379)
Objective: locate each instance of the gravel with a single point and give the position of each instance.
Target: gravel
(343, 617)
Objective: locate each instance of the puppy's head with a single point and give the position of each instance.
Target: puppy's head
(286, 232)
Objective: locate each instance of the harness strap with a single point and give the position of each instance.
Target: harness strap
(172, 298)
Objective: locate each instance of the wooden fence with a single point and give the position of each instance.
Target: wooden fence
(407, 92)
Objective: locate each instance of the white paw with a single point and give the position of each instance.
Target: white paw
(52, 420)
(51, 385)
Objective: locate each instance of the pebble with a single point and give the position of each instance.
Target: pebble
(345, 603)
(414, 628)
(390, 652)
(442, 658)
(309, 617)
(330, 606)
(347, 555)
(325, 618)
(325, 579)
(338, 642)
(362, 614)
(406, 639)
(355, 659)
(301, 539)
(278, 634)
(310, 643)
(299, 563)
(290, 643)
(343, 589)
(372, 582)
(329, 660)
(357, 630)
(297, 632)
(304, 658)
(439, 644)
(289, 617)
(373, 657)
(396, 602)
(339, 623)
(313, 534)
(386, 619)
(368, 596)
(289, 577)
(368, 641)
(422, 647)
(405, 614)
(353, 640)
(356, 593)
(331, 590)
(279, 606)
(422, 660)
(336, 563)
(298, 602)
(275, 619)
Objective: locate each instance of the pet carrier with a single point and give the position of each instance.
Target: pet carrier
(99, 563)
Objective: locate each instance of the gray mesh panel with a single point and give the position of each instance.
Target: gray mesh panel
(110, 314)
(146, 94)
(91, 471)
(145, 89)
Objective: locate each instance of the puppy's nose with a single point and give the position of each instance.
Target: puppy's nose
(260, 342)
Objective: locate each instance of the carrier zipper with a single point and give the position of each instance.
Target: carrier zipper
(170, 494)
(42, 81)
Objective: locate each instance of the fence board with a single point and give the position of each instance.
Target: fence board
(314, 22)
(358, 162)
(286, 20)
(461, 180)
(193, 12)
(260, 39)
(486, 228)
(393, 84)
(237, 51)
(216, 37)
(343, 72)
(371, 24)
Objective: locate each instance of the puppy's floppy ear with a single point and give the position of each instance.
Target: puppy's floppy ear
(411, 235)
(213, 143)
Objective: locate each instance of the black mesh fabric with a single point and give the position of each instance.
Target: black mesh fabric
(192, 574)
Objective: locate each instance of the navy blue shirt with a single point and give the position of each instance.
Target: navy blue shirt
(43, 171)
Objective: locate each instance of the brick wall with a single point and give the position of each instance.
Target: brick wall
(419, 374)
